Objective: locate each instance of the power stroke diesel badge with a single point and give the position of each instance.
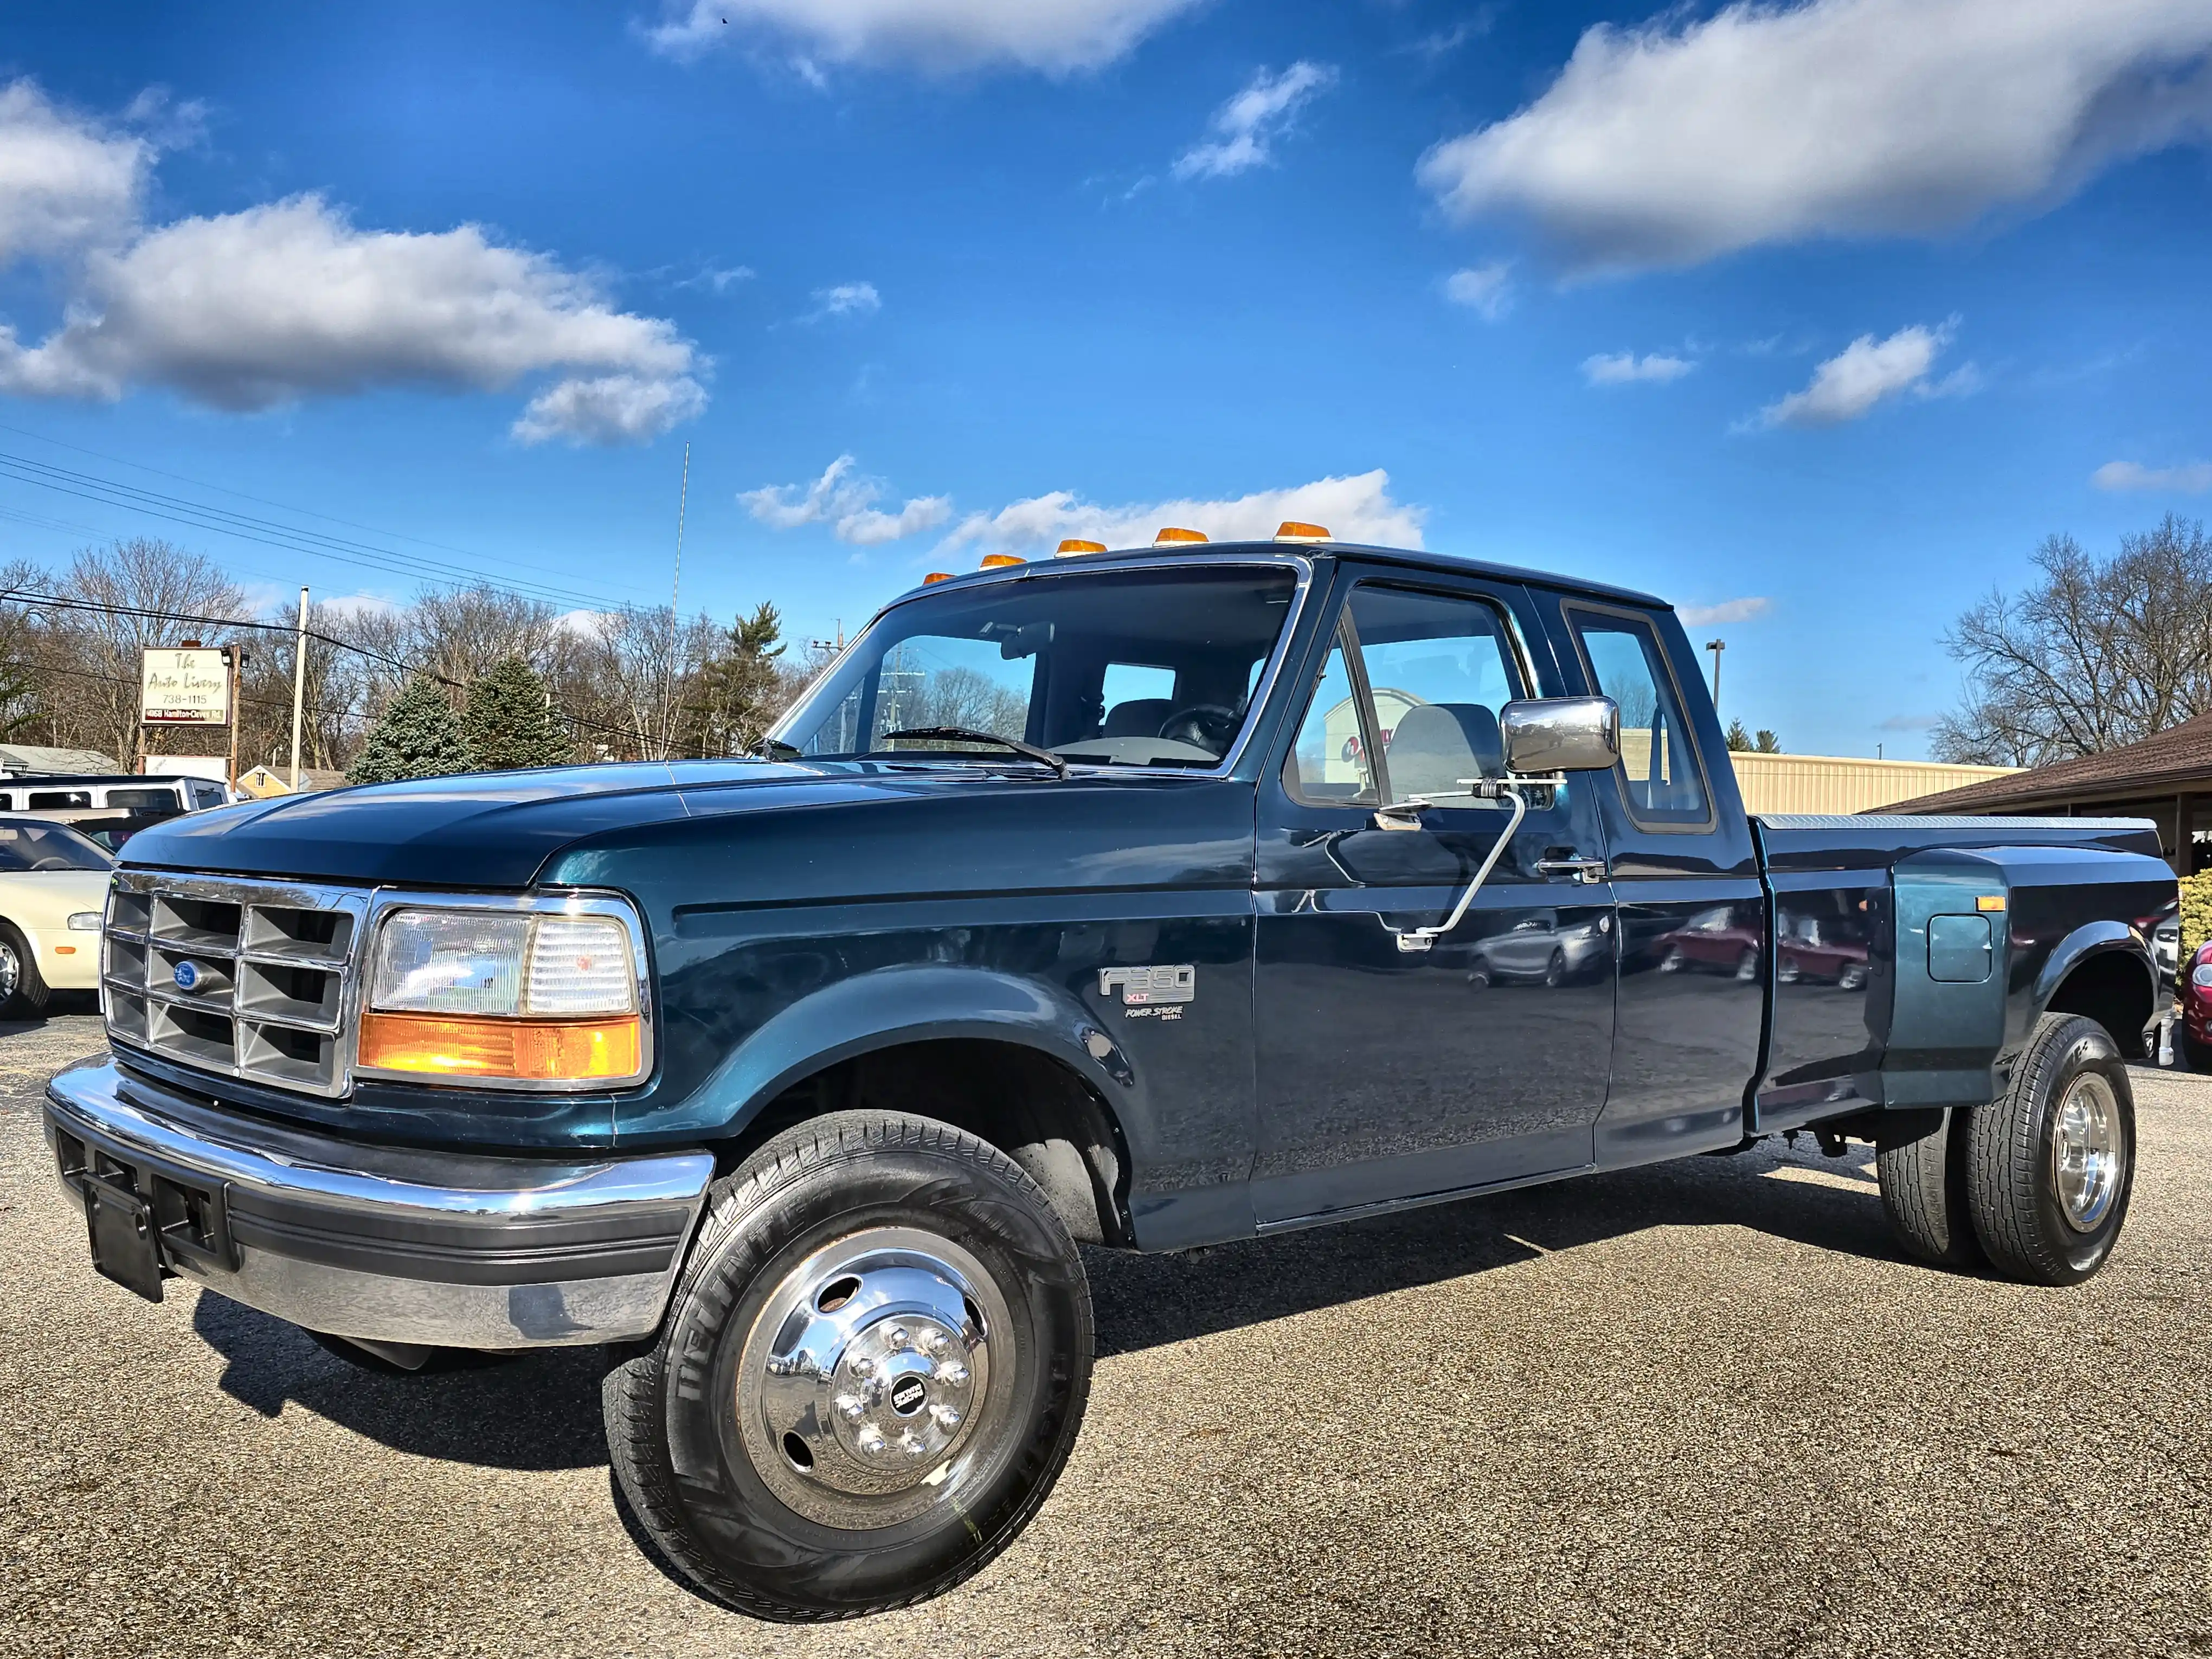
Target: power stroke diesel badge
(1158, 990)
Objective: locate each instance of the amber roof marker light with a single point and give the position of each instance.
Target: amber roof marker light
(1174, 536)
(937, 576)
(999, 561)
(1297, 530)
(1069, 549)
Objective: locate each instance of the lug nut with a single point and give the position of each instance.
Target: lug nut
(955, 1373)
(937, 1342)
(911, 1444)
(863, 1366)
(897, 1336)
(872, 1440)
(948, 1417)
(851, 1407)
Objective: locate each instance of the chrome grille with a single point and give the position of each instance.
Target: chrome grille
(251, 979)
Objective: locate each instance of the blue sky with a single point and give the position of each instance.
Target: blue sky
(1815, 318)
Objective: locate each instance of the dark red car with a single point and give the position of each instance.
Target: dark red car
(2193, 1007)
(1725, 938)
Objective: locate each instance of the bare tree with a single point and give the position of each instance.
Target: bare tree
(2096, 654)
(131, 596)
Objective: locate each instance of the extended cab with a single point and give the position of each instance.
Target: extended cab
(1146, 899)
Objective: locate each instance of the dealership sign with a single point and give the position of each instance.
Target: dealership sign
(184, 687)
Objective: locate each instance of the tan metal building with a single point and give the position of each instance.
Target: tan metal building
(1843, 783)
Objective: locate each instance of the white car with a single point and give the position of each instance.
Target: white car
(53, 887)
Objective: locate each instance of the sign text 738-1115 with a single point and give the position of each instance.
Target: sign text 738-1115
(184, 687)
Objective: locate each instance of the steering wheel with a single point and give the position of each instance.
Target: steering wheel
(1204, 724)
(51, 862)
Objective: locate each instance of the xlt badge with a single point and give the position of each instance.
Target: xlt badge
(1152, 990)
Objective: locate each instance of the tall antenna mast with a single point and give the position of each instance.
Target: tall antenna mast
(675, 589)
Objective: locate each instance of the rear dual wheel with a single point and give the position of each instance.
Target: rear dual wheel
(870, 1374)
(2036, 1183)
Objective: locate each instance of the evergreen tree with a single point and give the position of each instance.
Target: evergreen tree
(418, 738)
(508, 722)
(741, 691)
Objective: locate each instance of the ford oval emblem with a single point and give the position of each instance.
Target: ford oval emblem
(188, 976)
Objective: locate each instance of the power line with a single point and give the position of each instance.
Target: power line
(200, 515)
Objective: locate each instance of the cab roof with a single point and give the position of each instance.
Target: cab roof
(1206, 552)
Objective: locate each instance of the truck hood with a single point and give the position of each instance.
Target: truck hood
(478, 829)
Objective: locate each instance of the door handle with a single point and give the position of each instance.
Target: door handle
(1580, 869)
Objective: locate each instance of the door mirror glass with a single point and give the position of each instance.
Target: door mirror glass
(1560, 734)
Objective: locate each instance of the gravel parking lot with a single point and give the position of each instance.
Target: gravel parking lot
(1699, 1408)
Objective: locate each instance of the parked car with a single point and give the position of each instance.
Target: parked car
(1832, 949)
(1538, 949)
(2192, 1012)
(800, 1081)
(53, 887)
(109, 792)
(1728, 938)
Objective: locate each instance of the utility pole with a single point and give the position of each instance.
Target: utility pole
(1716, 646)
(299, 685)
(235, 653)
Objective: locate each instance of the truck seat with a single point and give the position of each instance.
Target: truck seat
(1139, 717)
(1438, 743)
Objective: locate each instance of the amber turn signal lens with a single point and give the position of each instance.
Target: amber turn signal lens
(1069, 547)
(528, 1050)
(1989, 902)
(937, 576)
(1172, 534)
(1297, 530)
(998, 561)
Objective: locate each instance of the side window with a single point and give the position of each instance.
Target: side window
(1328, 764)
(1437, 671)
(1660, 782)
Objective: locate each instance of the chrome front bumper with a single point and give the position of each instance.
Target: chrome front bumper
(387, 1244)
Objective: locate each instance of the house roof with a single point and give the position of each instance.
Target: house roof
(31, 760)
(2174, 761)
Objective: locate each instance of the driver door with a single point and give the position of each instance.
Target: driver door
(1385, 1074)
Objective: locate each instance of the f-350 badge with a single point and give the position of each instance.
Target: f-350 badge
(1152, 992)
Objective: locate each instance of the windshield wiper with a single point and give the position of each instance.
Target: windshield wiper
(777, 749)
(963, 735)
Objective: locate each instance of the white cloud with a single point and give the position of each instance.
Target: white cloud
(1246, 128)
(719, 280)
(1727, 610)
(610, 409)
(1356, 508)
(1057, 37)
(351, 607)
(1623, 367)
(288, 299)
(846, 300)
(844, 501)
(1687, 138)
(65, 182)
(1866, 372)
(2191, 478)
(1484, 288)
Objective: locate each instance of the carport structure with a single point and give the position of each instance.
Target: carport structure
(2167, 779)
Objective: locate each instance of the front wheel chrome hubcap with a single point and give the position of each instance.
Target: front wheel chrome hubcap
(866, 1388)
(2088, 1155)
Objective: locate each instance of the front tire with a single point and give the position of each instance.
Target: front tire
(871, 1373)
(2189, 1053)
(23, 991)
(2051, 1163)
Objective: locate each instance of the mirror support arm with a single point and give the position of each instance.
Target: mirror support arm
(1414, 939)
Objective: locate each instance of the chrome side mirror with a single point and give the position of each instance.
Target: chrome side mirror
(1560, 734)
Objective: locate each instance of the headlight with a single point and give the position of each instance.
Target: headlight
(85, 922)
(2201, 974)
(514, 996)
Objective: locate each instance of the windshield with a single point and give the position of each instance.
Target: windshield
(34, 845)
(1108, 668)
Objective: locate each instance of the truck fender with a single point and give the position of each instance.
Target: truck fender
(2092, 940)
(913, 1003)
